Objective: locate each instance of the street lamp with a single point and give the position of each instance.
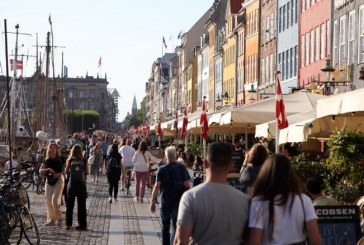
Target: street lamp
(226, 97)
(328, 69)
(251, 91)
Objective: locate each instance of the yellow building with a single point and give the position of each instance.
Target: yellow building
(252, 47)
(191, 94)
(229, 54)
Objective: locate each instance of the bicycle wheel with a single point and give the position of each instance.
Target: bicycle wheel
(127, 189)
(26, 181)
(4, 230)
(12, 216)
(29, 227)
(40, 185)
(24, 196)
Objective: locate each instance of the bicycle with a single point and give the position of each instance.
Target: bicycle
(15, 212)
(32, 177)
(129, 173)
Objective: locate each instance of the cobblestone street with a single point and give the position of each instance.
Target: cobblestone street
(123, 222)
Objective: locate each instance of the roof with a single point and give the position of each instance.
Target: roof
(135, 105)
(235, 6)
(193, 37)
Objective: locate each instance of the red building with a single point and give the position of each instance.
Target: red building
(314, 35)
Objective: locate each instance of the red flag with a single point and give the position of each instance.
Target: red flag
(19, 64)
(203, 120)
(159, 129)
(184, 124)
(280, 111)
(100, 62)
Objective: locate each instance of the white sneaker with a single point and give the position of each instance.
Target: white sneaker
(110, 200)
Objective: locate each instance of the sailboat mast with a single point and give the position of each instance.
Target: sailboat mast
(8, 94)
(14, 89)
(46, 107)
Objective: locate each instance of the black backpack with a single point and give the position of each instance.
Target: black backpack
(113, 165)
(77, 171)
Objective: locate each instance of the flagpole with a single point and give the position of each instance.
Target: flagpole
(277, 126)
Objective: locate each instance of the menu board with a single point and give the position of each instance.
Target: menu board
(339, 225)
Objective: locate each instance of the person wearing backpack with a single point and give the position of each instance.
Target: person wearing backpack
(141, 161)
(113, 172)
(76, 169)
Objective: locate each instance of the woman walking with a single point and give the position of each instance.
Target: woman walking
(279, 212)
(141, 161)
(52, 168)
(97, 154)
(113, 172)
(77, 170)
(255, 159)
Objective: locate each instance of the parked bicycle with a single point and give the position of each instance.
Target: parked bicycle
(32, 178)
(14, 210)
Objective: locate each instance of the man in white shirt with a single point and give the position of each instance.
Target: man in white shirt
(127, 153)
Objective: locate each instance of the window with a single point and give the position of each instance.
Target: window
(308, 4)
(312, 43)
(271, 68)
(280, 19)
(317, 56)
(273, 27)
(303, 5)
(292, 62)
(335, 50)
(323, 41)
(292, 12)
(92, 94)
(351, 35)
(70, 93)
(303, 48)
(284, 18)
(296, 11)
(307, 58)
(288, 13)
(342, 47)
(82, 105)
(262, 71)
(288, 75)
(267, 72)
(263, 32)
(283, 65)
(279, 62)
(361, 34)
(92, 106)
(267, 30)
(295, 61)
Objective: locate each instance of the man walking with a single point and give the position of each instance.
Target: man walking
(172, 180)
(213, 212)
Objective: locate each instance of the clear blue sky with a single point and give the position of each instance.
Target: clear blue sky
(126, 34)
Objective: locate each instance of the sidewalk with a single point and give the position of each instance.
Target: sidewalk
(133, 223)
(123, 222)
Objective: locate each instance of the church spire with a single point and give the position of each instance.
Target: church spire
(134, 107)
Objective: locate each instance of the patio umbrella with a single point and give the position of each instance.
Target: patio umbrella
(203, 120)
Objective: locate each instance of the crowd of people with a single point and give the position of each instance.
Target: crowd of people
(271, 205)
